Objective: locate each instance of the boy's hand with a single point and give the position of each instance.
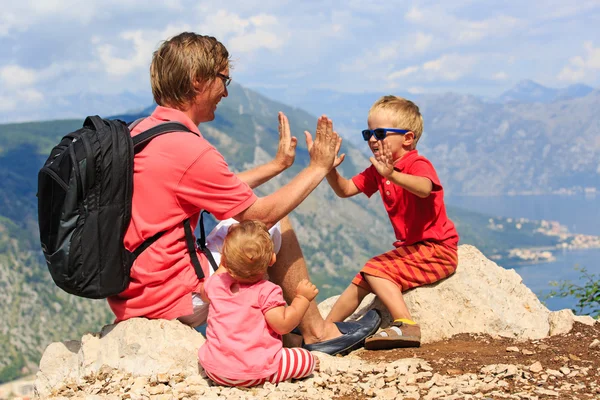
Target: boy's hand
(338, 159)
(307, 289)
(384, 162)
(286, 153)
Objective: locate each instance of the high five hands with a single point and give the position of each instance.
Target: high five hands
(383, 161)
(326, 146)
(286, 152)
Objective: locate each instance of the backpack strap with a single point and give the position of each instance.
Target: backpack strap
(144, 137)
(139, 141)
(202, 243)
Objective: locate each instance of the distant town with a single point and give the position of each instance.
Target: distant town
(532, 255)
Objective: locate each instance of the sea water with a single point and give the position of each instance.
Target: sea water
(580, 214)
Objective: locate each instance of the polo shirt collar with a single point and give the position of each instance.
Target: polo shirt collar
(171, 114)
(406, 159)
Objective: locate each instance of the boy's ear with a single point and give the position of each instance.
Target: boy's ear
(409, 139)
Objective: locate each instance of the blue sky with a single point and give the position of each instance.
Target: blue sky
(53, 48)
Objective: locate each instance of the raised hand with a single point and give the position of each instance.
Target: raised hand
(307, 289)
(323, 150)
(383, 162)
(286, 152)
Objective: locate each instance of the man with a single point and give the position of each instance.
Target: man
(179, 174)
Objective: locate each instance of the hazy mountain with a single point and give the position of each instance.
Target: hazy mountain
(337, 235)
(528, 91)
(78, 105)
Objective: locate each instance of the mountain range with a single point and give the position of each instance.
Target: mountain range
(336, 235)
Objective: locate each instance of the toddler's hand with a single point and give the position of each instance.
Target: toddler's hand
(307, 289)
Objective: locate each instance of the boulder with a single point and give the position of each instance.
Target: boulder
(481, 297)
(138, 346)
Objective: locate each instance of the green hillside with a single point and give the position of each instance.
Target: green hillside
(337, 235)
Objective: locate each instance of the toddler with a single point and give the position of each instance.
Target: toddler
(247, 315)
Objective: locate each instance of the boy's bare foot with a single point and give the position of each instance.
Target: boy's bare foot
(317, 363)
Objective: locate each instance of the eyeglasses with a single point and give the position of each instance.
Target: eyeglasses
(226, 79)
(381, 133)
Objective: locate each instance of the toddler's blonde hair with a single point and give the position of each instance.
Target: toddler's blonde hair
(247, 249)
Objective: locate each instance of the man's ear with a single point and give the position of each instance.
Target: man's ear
(199, 86)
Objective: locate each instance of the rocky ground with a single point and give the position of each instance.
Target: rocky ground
(463, 367)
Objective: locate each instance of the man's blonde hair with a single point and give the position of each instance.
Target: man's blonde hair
(182, 61)
(405, 114)
(247, 249)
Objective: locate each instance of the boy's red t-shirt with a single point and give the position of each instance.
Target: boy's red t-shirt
(414, 219)
(176, 175)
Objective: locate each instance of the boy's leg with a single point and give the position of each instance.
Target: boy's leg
(390, 295)
(347, 303)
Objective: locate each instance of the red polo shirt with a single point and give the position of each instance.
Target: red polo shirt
(414, 219)
(176, 175)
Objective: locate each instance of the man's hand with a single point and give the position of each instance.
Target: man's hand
(324, 149)
(307, 289)
(383, 162)
(286, 153)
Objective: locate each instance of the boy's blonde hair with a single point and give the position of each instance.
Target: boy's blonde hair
(405, 113)
(247, 249)
(182, 61)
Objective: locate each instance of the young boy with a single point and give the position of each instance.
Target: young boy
(426, 240)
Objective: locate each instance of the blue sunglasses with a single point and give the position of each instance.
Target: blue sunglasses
(381, 133)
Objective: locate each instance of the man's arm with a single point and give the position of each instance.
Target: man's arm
(323, 151)
(286, 153)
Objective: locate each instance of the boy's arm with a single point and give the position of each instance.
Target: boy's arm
(283, 319)
(341, 186)
(417, 185)
(384, 163)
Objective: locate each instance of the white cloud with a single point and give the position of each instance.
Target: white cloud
(7, 103)
(582, 67)
(31, 96)
(423, 41)
(403, 72)
(457, 30)
(15, 76)
(144, 42)
(254, 41)
(414, 15)
(500, 76)
(449, 67)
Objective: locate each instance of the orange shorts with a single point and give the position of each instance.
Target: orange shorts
(411, 266)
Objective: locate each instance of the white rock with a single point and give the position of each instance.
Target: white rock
(536, 367)
(585, 319)
(481, 297)
(561, 322)
(595, 344)
(137, 346)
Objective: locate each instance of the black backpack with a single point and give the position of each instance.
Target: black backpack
(84, 207)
